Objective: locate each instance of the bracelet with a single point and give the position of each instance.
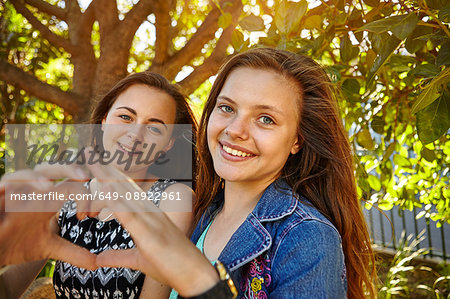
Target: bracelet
(224, 289)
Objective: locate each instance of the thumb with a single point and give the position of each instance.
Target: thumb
(127, 258)
(66, 251)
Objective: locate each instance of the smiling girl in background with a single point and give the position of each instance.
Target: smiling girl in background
(277, 201)
(135, 119)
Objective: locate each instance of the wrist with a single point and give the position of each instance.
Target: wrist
(223, 289)
(199, 281)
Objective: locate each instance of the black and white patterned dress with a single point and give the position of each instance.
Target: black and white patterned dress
(72, 282)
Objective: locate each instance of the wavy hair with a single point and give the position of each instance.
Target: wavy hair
(322, 170)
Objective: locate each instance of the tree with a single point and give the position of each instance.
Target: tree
(390, 58)
(97, 42)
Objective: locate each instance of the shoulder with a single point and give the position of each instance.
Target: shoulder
(307, 254)
(176, 201)
(308, 229)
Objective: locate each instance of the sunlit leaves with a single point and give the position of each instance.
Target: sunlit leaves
(443, 57)
(431, 91)
(405, 26)
(252, 23)
(386, 51)
(434, 120)
(289, 14)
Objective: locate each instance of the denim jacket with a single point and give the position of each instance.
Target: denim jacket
(284, 249)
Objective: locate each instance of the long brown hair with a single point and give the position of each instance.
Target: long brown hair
(183, 115)
(322, 170)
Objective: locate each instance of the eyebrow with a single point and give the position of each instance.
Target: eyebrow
(132, 111)
(260, 106)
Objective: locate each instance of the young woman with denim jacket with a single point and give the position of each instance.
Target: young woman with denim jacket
(277, 201)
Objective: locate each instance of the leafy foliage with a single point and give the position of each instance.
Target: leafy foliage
(391, 60)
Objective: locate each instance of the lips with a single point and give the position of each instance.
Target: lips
(128, 149)
(236, 151)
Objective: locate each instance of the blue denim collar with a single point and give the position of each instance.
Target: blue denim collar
(276, 202)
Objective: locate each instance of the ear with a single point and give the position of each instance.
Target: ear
(297, 145)
(103, 122)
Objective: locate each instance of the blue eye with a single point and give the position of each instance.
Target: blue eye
(154, 130)
(266, 120)
(125, 117)
(226, 108)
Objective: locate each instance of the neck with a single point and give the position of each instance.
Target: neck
(241, 198)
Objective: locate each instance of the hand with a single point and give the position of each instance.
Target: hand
(162, 251)
(28, 236)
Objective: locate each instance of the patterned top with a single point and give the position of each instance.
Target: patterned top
(72, 282)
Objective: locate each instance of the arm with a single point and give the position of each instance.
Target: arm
(309, 263)
(166, 254)
(15, 281)
(183, 220)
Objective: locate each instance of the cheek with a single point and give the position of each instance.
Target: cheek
(211, 130)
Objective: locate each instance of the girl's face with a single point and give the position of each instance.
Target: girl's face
(140, 117)
(253, 127)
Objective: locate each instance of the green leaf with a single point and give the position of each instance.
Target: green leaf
(388, 48)
(313, 22)
(373, 3)
(347, 50)
(374, 182)
(431, 91)
(386, 205)
(365, 139)
(334, 73)
(390, 149)
(434, 120)
(237, 40)
(382, 25)
(402, 161)
(412, 43)
(350, 89)
(428, 154)
(444, 14)
(377, 124)
(252, 23)
(351, 86)
(426, 70)
(225, 20)
(406, 26)
(443, 57)
(289, 15)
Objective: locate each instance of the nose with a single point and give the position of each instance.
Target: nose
(135, 132)
(238, 128)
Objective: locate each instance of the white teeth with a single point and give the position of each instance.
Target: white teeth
(235, 152)
(125, 148)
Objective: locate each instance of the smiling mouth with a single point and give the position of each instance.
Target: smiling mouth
(127, 149)
(235, 152)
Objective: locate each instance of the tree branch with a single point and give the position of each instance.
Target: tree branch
(204, 33)
(162, 32)
(107, 14)
(54, 39)
(136, 16)
(49, 9)
(13, 75)
(211, 64)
